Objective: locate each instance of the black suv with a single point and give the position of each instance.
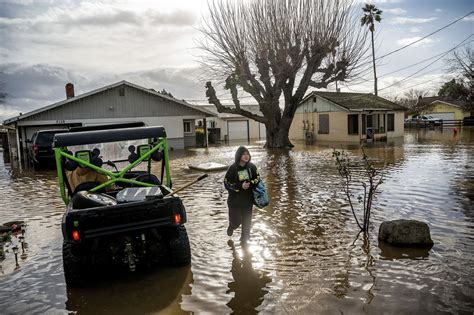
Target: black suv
(40, 148)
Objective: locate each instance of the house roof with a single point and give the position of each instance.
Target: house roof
(357, 101)
(102, 89)
(254, 108)
(447, 100)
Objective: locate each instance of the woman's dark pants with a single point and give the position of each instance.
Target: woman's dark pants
(238, 216)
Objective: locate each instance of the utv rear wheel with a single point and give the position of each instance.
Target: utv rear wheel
(180, 251)
(72, 265)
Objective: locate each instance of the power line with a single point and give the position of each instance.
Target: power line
(411, 75)
(422, 61)
(412, 86)
(424, 37)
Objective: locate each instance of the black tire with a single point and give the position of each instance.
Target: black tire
(179, 249)
(36, 166)
(85, 200)
(73, 266)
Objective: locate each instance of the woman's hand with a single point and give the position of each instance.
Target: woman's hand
(246, 185)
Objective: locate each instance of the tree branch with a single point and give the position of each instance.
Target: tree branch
(212, 98)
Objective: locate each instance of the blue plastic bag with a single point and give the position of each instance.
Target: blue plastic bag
(260, 195)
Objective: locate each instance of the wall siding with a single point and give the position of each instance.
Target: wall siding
(445, 108)
(108, 104)
(338, 127)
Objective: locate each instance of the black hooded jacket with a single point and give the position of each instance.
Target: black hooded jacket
(234, 178)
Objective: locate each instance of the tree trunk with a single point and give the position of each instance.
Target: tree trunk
(277, 133)
(373, 63)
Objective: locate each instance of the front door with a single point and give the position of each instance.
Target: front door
(370, 127)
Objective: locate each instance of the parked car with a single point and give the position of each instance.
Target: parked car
(468, 121)
(423, 120)
(40, 148)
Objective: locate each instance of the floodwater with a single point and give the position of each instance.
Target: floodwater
(305, 255)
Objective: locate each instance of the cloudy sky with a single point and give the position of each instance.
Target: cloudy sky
(47, 43)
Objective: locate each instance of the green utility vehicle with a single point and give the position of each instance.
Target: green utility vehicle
(131, 217)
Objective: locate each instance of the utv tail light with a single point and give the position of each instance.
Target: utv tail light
(35, 149)
(177, 218)
(75, 235)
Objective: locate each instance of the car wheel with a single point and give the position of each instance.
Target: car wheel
(36, 166)
(73, 266)
(179, 248)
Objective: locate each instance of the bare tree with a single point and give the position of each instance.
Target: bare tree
(410, 99)
(461, 64)
(275, 50)
(362, 177)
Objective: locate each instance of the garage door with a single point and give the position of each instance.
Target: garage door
(263, 131)
(443, 116)
(238, 130)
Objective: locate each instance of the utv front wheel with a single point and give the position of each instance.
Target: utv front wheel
(180, 251)
(72, 265)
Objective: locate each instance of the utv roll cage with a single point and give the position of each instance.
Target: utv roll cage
(156, 140)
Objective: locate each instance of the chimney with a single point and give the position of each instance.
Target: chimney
(69, 90)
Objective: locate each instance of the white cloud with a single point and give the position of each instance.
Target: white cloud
(407, 20)
(438, 10)
(32, 87)
(408, 40)
(414, 30)
(427, 82)
(469, 18)
(382, 1)
(396, 11)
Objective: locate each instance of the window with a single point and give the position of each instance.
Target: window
(379, 123)
(187, 126)
(391, 122)
(323, 124)
(122, 91)
(353, 124)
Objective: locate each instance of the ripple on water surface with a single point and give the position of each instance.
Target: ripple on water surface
(305, 254)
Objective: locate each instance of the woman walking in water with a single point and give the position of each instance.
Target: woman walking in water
(238, 181)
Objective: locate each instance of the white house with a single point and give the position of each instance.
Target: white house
(121, 102)
(232, 127)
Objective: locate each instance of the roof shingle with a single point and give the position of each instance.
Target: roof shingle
(358, 101)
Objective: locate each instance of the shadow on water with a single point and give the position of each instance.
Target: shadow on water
(389, 252)
(248, 285)
(157, 291)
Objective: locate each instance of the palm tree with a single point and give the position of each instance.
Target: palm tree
(371, 15)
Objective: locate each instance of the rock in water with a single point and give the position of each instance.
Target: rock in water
(405, 233)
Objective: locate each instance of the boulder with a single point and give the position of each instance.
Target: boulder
(405, 233)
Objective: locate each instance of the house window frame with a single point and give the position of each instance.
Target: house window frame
(185, 123)
(323, 132)
(391, 126)
(355, 127)
(379, 123)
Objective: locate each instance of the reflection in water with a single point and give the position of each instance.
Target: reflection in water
(248, 285)
(304, 258)
(156, 291)
(389, 252)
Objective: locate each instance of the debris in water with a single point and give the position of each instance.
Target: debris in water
(209, 167)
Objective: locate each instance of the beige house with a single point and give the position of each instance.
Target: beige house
(347, 117)
(443, 107)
